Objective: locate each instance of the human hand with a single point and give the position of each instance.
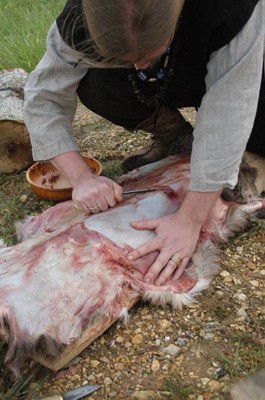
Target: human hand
(175, 235)
(93, 194)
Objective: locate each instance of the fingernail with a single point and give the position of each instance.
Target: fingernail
(130, 257)
(147, 280)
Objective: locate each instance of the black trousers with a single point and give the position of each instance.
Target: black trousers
(109, 93)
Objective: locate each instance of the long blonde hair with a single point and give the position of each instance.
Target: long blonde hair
(119, 27)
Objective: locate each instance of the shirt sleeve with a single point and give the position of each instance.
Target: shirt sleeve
(51, 98)
(228, 109)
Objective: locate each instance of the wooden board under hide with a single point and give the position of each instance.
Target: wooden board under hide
(91, 333)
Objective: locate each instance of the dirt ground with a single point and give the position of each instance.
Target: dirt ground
(194, 353)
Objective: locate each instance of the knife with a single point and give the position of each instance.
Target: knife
(73, 394)
(130, 192)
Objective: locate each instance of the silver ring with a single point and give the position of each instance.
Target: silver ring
(77, 207)
(93, 208)
(176, 259)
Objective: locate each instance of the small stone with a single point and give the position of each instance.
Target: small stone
(164, 323)
(219, 293)
(240, 296)
(224, 274)
(236, 281)
(137, 339)
(172, 350)
(107, 381)
(105, 360)
(94, 363)
(119, 366)
(254, 283)
(214, 385)
(205, 381)
(214, 364)
(208, 336)
(182, 341)
(242, 313)
(239, 250)
(143, 395)
(155, 365)
(251, 265)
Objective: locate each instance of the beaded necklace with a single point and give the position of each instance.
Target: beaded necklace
(162, 76)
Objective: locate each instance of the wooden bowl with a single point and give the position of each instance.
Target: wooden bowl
(49, 184)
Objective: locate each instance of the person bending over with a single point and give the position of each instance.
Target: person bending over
(136, 63)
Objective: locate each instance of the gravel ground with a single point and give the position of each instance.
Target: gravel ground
(194, 353)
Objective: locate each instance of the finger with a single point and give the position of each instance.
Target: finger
(110, 199)
(181, 268)
(143, 250)
(93, 209)
(110, 196)
(117, 191)
(145, 224)
(83, 208)
(155, 269)
(101, 204)
(166, 272)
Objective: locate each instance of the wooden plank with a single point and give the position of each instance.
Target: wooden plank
(91, 333)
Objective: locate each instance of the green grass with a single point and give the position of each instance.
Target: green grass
(23, 29)
(177, 389)
(16, 202)
(248, 357)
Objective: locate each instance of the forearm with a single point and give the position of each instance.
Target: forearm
(197, 206)
(72, 165)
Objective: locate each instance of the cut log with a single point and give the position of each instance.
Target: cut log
(15, 146)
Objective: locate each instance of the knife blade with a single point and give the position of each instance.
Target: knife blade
(80, 392)
(74, 394)
(138, 191)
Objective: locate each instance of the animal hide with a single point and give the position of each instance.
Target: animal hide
(70, 269)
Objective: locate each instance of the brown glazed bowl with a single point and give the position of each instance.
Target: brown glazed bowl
(49, 184)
